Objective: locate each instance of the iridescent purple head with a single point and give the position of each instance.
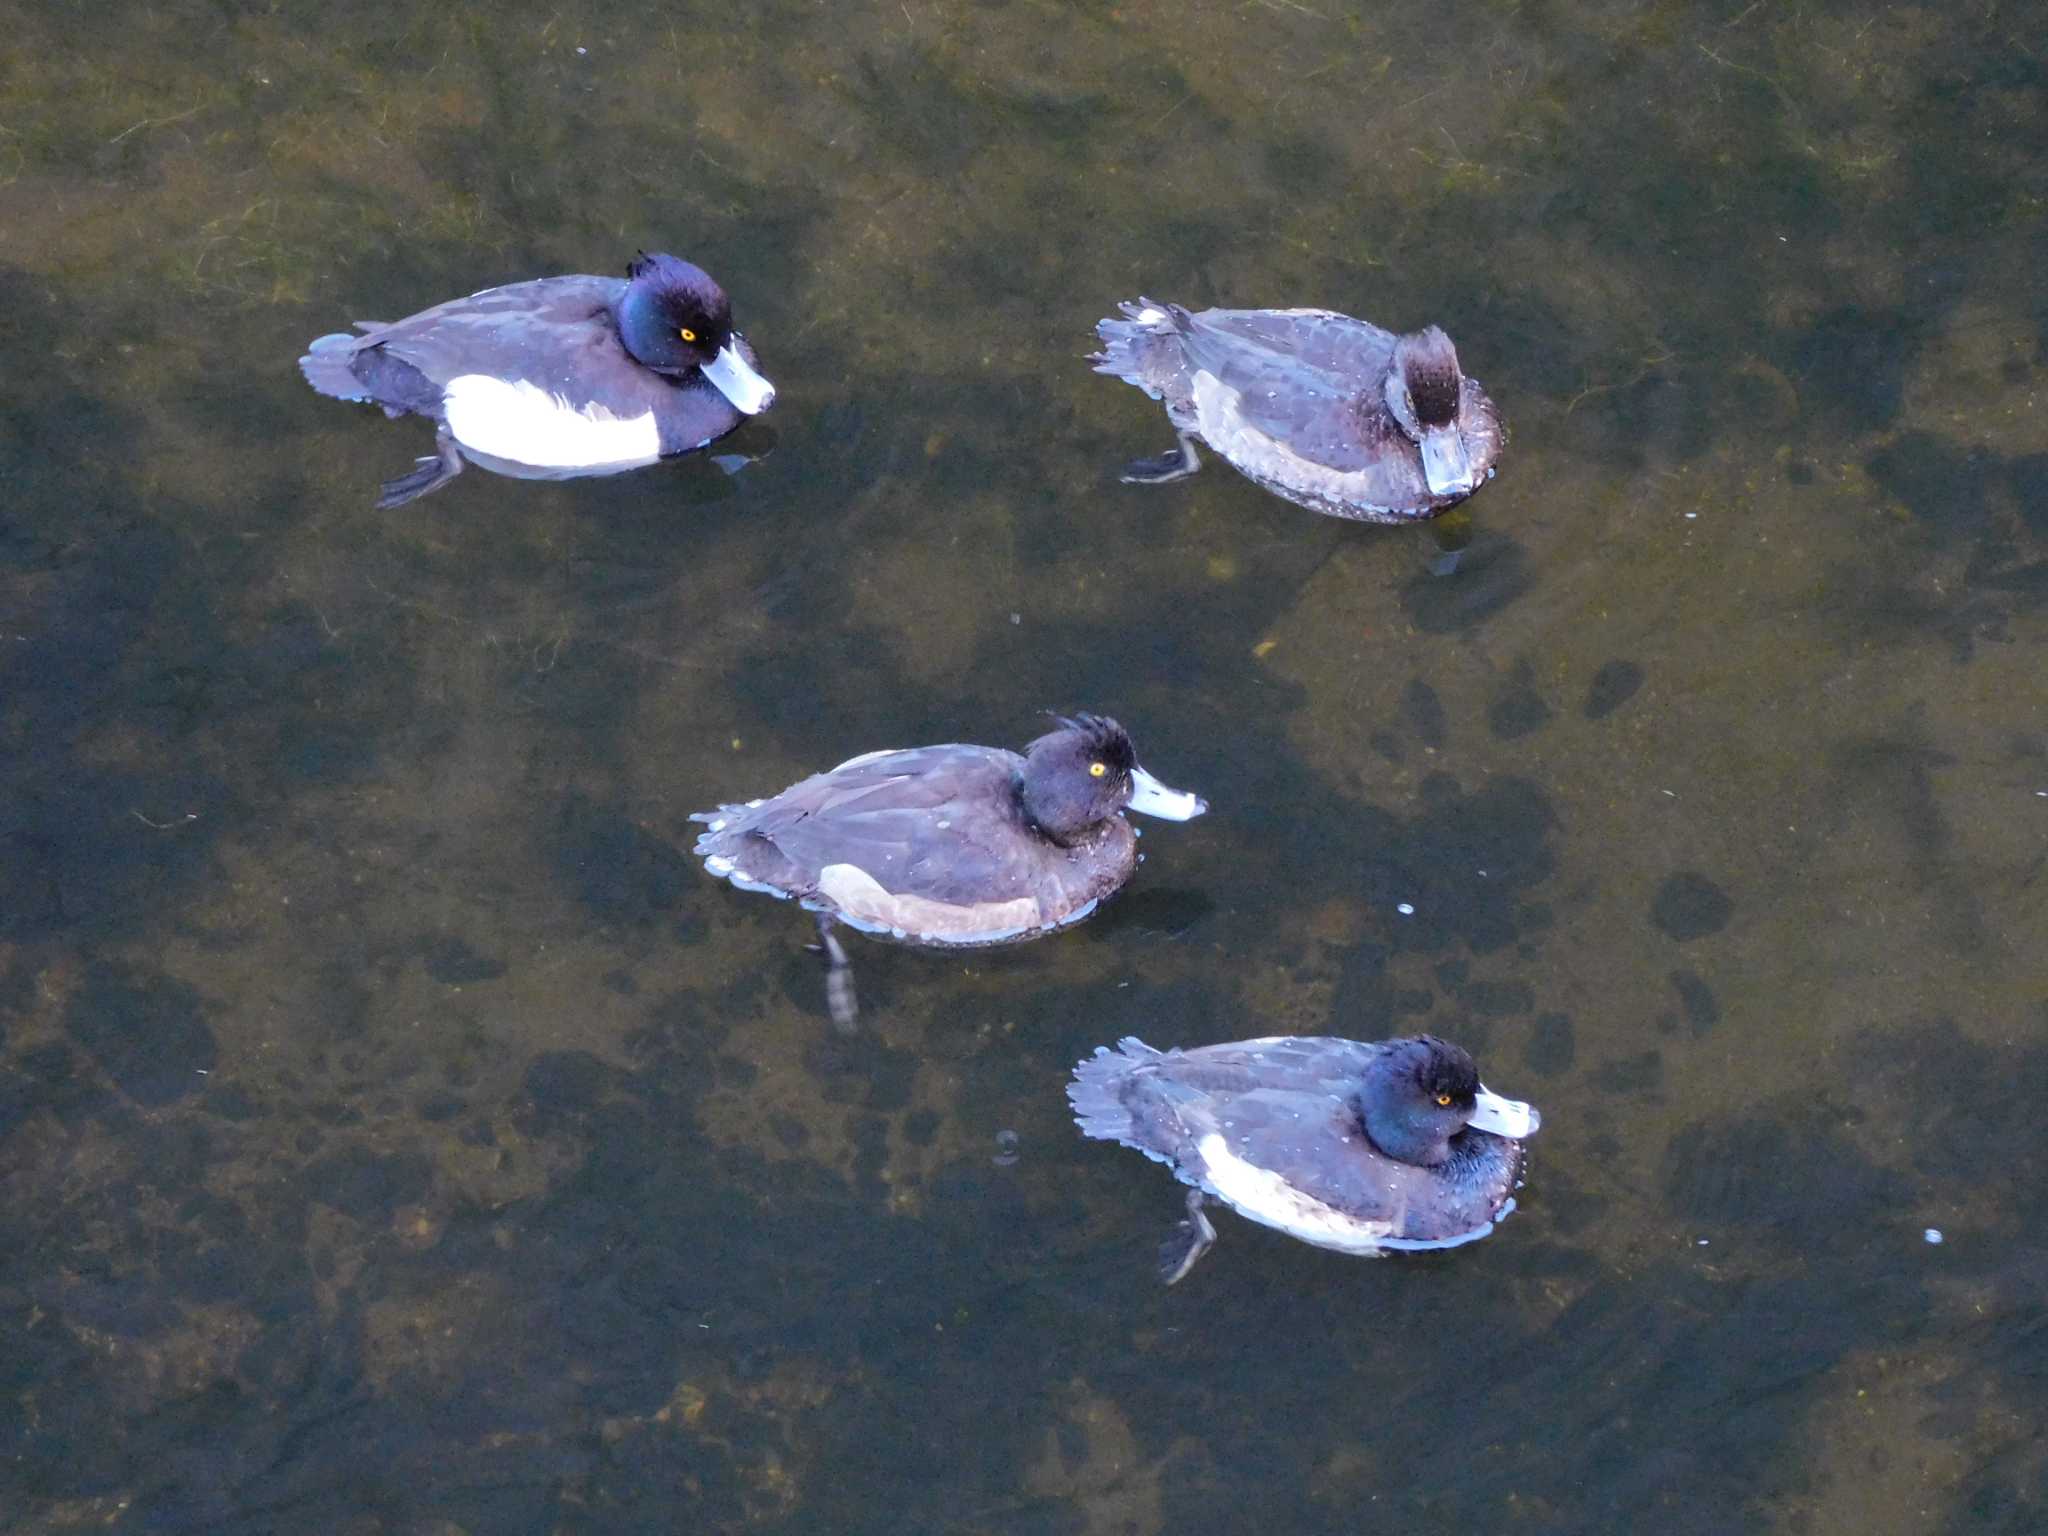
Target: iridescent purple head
(675, 319)
(1420, 1092)
(1085, 772)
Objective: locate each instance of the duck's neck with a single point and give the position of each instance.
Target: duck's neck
(1041, 819)
(642, 330)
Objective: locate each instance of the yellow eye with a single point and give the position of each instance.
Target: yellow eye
(687, 334)
(1097, 770)
(1444, 1099)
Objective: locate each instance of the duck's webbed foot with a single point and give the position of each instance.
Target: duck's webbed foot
(839, 999)
(1192, 1237)
(433, 473)
(1177, 465)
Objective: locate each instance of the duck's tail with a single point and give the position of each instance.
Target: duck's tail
(1097, 1091)
(329, 367)
(732, 850)
(1144, 348)
(724, 837)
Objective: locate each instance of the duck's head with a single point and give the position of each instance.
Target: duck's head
(1426, 392)
(1085, 772)
(674, 318)
(1420, 1092)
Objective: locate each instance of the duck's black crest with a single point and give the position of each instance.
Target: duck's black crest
(1445, 1068)
(1106, 739)
(673, 275)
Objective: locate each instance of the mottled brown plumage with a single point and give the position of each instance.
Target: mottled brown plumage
(1329, 412)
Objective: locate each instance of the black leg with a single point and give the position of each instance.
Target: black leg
(431, 475)
(1192, 1237)
(839, 999)
(1177, 465)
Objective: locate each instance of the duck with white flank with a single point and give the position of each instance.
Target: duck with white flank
(556, 378)
(950, 845)
(1330, 412)
(1347, 1145)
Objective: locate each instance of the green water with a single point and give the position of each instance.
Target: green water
(400, 1134)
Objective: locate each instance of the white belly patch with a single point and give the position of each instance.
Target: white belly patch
(1267, 1198)
(523, 423)
(862, 899)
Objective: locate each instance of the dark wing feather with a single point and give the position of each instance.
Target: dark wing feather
(931, 821)
(1317, 339)
(1247, 1090)
(1312, 1064)
(1312, 382)
(525, 330)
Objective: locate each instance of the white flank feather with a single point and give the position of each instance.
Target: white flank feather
(521, 422)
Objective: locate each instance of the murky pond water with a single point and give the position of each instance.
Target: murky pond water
(400, 1134)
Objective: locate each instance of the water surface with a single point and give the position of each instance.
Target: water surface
(399, 1134)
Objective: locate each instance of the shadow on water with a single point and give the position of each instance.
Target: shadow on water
(399, 1133)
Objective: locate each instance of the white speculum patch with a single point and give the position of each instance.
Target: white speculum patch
(523, 423)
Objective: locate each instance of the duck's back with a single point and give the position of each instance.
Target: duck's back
(519, 330)
(928, 844)
(1248, 344)
(1165, 1102)
(1274, 353)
